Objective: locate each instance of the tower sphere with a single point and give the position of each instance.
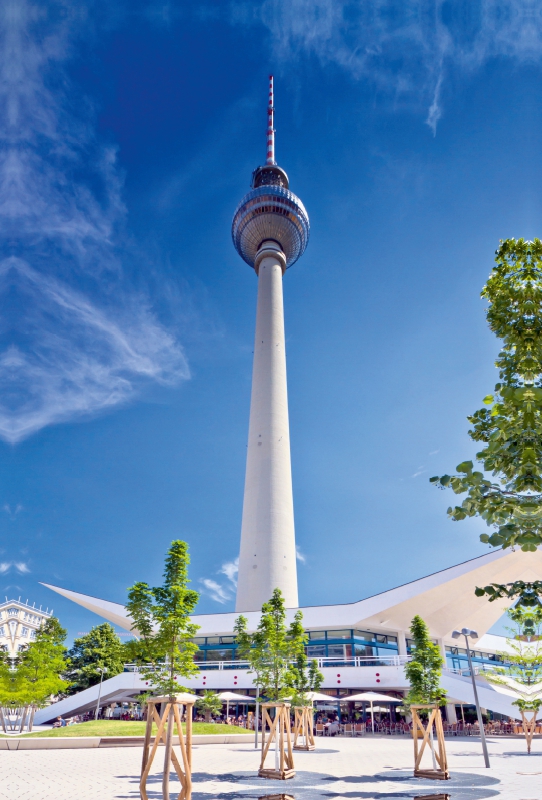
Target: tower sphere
(270, 211)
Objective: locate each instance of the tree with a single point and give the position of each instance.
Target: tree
(210, 703)
(161, 618)
(272, 648)
(38, 672)
(521, 672)
(527, 594)
(425, 668)
(510, 425)
(305, 678)
(101, 647)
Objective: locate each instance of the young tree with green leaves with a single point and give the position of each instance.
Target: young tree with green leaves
(272, 648)
(37, 674)
(101, 647)
(425, 668)
(509, 427)
(161, 619)
(305, 677)
(210, 703)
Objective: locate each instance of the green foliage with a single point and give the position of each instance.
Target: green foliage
(510, 426)
(37, 673)
(101, 647)
(210, 703)
(522, 672)
(304, 677)
(528, 594)
(425, 669)
(272, 647)
(161, 617)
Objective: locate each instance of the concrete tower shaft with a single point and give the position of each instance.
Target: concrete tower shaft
(267, 557)
(270, 231)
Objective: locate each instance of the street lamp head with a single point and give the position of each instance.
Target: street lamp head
(464, 632)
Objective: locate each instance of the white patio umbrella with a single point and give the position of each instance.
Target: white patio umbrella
(236, 698)
(371, 697)
(318, 697)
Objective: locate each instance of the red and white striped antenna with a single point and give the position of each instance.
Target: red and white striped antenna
(270, 128)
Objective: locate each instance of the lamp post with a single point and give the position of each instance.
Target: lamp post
(101, 670)
(257, 717)
(466, 632)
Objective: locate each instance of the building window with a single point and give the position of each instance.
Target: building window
(339, 634)
(219, 655)
(316, 651)
(2, 631)
(335, 650)
(13, 612)
(25, 632)
(32, 634)
(317, 634)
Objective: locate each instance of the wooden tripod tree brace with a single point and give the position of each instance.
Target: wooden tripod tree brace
(303, 728)
(529, 727)
(435, 718)
(279, 732)
(166, 723)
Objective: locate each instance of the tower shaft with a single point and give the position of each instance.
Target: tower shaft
(267, 558)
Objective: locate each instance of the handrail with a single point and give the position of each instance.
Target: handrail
(325, 661)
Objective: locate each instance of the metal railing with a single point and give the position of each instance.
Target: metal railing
(479, 669)
(325, 661)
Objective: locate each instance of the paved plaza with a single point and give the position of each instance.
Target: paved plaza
(340, 768)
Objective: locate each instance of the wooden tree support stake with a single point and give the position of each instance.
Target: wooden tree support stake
(166, 724)
(439, 752)
(529, 727)
(279, 733)
(303, 728)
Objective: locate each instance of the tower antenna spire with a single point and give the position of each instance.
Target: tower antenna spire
(270, 128)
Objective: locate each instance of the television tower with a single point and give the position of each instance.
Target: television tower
(270, 231)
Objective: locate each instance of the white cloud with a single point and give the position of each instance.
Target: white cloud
(230, 569)
(299, 555)
(75, 337)
(20, 567)
(419, 472)
(401, 48)
(12, 512)
(222, 592)
(216, 590)
(434, 452)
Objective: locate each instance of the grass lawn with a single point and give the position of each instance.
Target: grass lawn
(119, 728)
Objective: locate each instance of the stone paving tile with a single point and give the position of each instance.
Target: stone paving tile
(340, 769)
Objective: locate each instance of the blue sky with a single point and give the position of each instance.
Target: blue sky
(128, 135)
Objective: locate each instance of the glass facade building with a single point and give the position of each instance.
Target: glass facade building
(336, 646)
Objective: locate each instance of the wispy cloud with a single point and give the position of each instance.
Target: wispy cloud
(75, 337)
(19, 566)
(222, 592)
(403, 48)
(300, 556)
(215, 590)
(230, 569)
(12, 512)
(419, 472)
